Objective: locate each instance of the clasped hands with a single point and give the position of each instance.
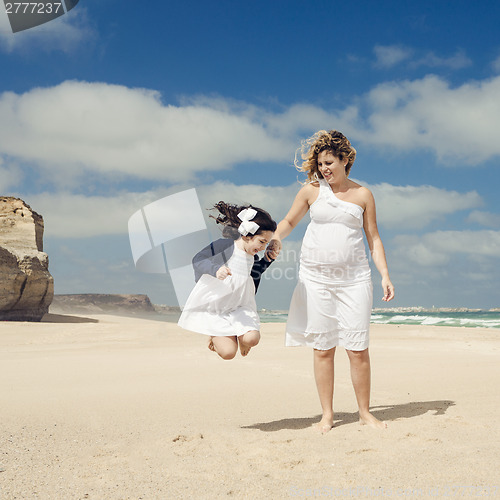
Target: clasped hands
(273, 249)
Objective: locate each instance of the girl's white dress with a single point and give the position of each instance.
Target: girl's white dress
(332, 302)
(223, 308)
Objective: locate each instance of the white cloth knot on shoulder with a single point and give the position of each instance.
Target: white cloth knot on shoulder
(247, 226)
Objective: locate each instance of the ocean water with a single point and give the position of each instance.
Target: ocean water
(470, 319)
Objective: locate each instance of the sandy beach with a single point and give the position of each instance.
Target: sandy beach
(108, 407)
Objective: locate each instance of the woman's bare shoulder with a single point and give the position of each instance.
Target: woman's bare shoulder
(360, 190)
(309, 190)
(361, 194)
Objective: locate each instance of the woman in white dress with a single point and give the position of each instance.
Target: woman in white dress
(227, 274)
(332, 302)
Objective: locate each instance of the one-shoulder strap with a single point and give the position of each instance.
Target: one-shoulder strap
(347, 206)
(323, 186)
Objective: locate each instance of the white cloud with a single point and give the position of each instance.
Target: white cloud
(496, 64)
(417, 206)
(275, 199)
(445, 268)
(69, 215)
(458, 61)
(10, 176)
(486, 219)
(414, 250)
(437, 248)
(458, 124)
(64, 34)
(112, 129)
(388, 56)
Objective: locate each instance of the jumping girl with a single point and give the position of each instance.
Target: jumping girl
(227, 274)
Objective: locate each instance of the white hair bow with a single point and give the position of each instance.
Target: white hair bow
(247, 226)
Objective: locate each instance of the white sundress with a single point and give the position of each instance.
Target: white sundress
(223, 308)
(331, 304)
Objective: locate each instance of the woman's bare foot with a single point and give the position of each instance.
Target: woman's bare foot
(211, 344)
(370, 420)
(324, 425)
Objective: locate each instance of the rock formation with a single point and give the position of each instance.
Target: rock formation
(26, 286)
(102, 303)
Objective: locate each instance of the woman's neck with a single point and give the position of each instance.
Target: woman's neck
(341, 186)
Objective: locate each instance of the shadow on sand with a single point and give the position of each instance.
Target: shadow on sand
(386, 413)
(64, 318)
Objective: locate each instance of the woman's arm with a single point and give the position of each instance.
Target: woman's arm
(299, 208)
(375, 244)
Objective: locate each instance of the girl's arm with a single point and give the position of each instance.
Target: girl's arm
(211, 258)
(299, 208)
(259, 266)
(375, 244)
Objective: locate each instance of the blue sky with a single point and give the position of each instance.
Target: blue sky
(116, 105)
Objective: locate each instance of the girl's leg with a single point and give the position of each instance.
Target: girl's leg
(225, 347)
(361, 380)
(324, 375)
(248, 340)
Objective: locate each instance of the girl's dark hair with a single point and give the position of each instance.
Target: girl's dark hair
(228, 217)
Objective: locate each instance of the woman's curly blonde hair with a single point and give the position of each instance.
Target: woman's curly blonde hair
(310, 148)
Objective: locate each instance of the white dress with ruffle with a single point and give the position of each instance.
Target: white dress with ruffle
(332, 302)
(223, 308)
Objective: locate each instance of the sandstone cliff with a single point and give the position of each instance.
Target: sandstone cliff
(26, 286)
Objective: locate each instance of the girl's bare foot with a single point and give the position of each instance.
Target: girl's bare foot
(244, 349)
(211, 344)
(248, 340)
(369, 419)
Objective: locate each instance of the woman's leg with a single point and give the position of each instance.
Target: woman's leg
(248, 340)
(225, 347)
(324, 375)
(361, 381)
